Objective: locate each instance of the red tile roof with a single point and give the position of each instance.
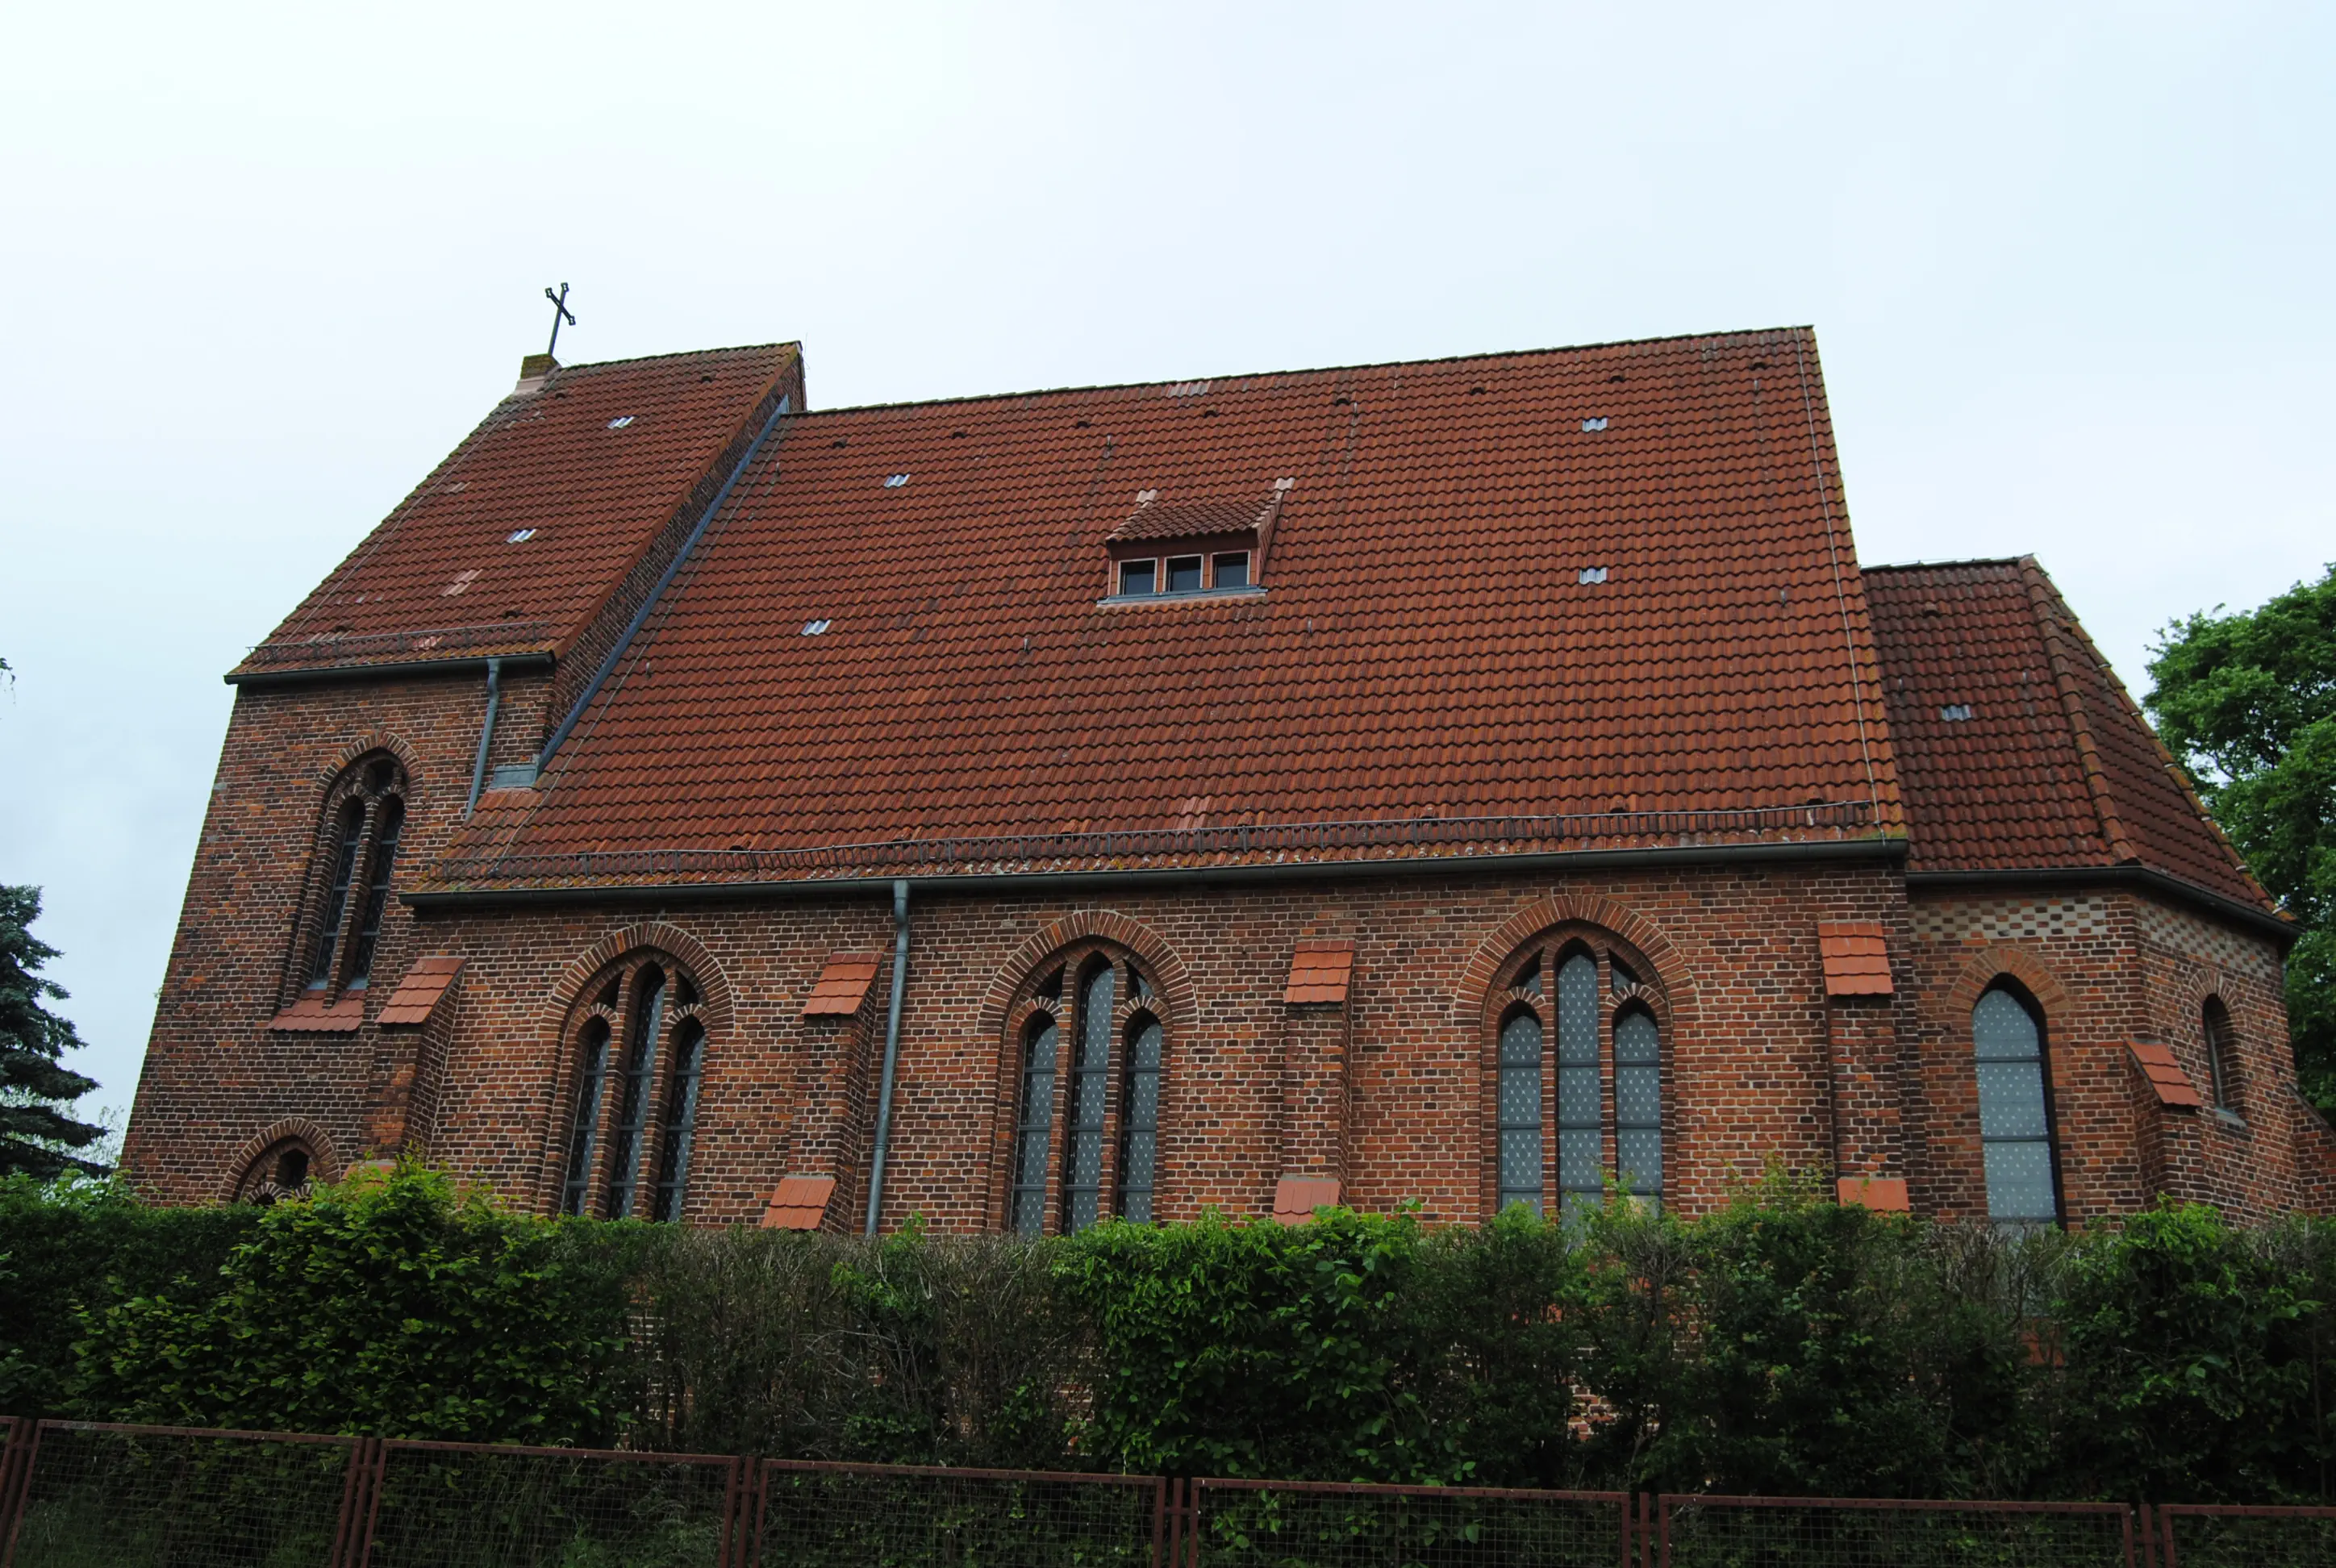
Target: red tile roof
(1857, 959)
(1320, 971)
(596, 463)
(2017, 747)
(1153, 521)
(1425, 671)
(843, 986)
(420, 992)
(2165, 1076)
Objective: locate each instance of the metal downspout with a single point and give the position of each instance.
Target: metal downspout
(486, 732)
(891, 1050)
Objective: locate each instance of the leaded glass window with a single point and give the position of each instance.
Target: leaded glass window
(1036, 1124)
(1090, 1089)
(1581, 1097)
(1100, 1043)
(2221, 1064)
(1580, 1026)
(1519, 1098)
(350, 839)
(1639, 1105)
(356, 852)
(1139, 1138)
(680, 1117)
(390, 820)
(591, 1075)
(641, 1046)
(632, 1111)
(2014, 1117)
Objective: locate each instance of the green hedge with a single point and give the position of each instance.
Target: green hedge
(1782, 1345)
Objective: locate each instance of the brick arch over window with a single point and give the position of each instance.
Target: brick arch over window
(1989, 965)
(639, 1014)
(713, 985)
(1671, 977)
(1122, 1058)
(388, 741)
(323, 1161)
(1167, 970)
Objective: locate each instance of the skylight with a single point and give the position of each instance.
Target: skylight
(621, 421)
(1597, 424)
(1955, 711)
(895, 481)
(1590, 574)
(519, 536)
(816, 628)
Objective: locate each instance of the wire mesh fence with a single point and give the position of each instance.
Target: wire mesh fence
(2199, 1535)
(474, 1505)
(818, 1515)
(1700, 1532)
(1322, 1524)
(120, 1497)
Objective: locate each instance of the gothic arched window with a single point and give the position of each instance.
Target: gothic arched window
(2015, 1113)
(2222, 1053)
(364, 814)
(1090, 1045)
(640, 1052)
(1596, 1101)
(285, 1169)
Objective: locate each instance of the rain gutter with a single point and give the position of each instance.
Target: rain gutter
(1558, 863)
(486, 732)
(891, 1050)
(261, 679)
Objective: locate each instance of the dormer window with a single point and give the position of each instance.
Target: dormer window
(1193, 549)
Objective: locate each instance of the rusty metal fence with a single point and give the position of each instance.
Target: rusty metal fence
(114, 1496)
(2205, 1536)
(819, 1515)
(1328, 1525)
(74, 1493)
(1710, 1531)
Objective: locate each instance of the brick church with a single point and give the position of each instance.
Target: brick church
(1473, 782)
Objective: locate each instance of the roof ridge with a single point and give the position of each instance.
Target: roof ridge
(2044, 601)
(2073, 627)
(1315, 369)
(796, 343)
(2011, 561)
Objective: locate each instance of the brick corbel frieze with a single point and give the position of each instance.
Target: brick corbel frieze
(1172, 980)
(716, 1007)
(324, 1162)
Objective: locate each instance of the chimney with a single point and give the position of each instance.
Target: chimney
(533, 372)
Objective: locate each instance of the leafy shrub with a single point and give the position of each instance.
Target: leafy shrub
(392, 1304)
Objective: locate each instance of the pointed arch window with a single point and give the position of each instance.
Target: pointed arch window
(2015, 1110)
(639, 1051)
(1594, 1102)
(284, 1171)
(356, 857)
(1091, 1044)
(2222, 1053)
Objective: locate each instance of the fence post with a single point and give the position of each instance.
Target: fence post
(16, 1482)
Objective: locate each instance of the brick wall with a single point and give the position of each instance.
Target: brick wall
(1758, 1066)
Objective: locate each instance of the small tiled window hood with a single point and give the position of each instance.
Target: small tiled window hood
(1193, 550)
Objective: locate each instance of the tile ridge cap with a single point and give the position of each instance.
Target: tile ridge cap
(2052, 618)
(1547, 351)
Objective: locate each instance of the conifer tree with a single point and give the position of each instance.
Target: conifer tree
(36, 1135)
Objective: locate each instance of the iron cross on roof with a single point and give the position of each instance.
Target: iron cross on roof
(558, 313)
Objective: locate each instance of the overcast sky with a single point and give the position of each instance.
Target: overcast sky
(2069, 267)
